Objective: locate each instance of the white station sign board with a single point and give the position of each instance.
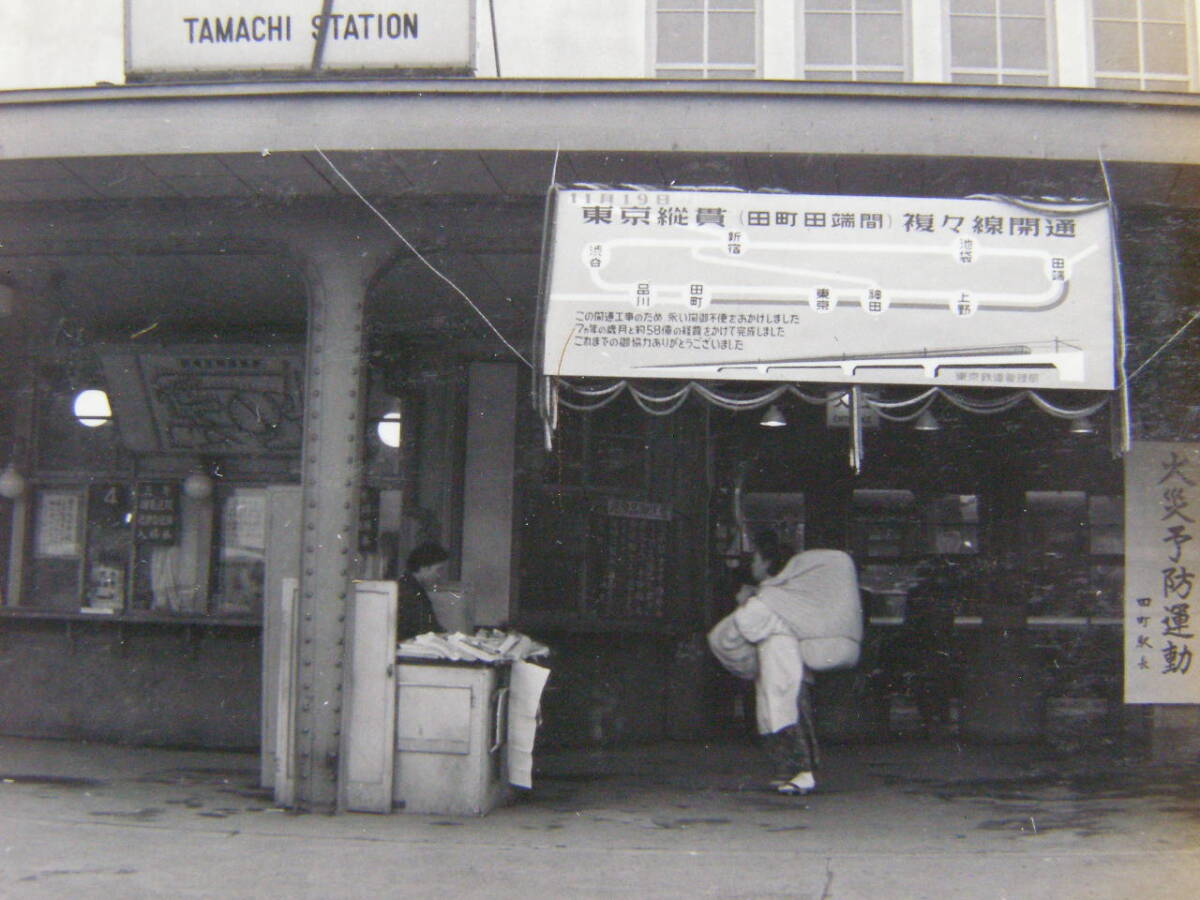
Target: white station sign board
(730, 285)
(205, 36)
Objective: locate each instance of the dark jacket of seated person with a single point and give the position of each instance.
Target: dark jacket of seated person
(425, 567)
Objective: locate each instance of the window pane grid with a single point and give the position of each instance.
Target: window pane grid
(852, 72)
(707, 39)
(703, 71)
(991, 46)
(1012, 77)
(1159, 32)
(988, 70)
(865, 24)
(709, 67)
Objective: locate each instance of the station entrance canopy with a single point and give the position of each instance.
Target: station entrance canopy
(717, 285)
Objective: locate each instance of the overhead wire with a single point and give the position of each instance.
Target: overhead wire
(1168, 342)
(1121, 426)
(417, 253)
(495, 41)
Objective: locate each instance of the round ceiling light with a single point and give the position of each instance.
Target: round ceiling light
(388, 429)
(92, 409)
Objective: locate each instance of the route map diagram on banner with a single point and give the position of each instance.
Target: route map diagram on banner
(728, 285)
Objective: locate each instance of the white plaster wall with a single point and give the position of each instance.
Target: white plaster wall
(1195, 24)
(77, 43)
(779, 36)
(564, 38)
(1072, 33)
(930, 54)
(61, 43)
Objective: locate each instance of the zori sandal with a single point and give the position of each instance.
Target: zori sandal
(791, 789)
(800, 784)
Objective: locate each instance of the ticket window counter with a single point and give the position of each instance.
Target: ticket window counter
(146, 547)
(153, 505)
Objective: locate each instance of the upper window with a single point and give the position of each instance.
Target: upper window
(707, 39)
(852, 40)
(1141, 44)
(1001, 41)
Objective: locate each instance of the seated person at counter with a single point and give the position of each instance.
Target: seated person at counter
(804, 612)
(425, 567)
(919, 659)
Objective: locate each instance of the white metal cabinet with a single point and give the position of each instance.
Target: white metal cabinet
(451, 728)
(369, 702)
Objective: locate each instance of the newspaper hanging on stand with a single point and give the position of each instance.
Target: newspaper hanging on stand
(1162, 559)
(526, 682)
(524, 715)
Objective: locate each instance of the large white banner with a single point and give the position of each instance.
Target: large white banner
(199, 36)
(708, 284)
(1162, 559)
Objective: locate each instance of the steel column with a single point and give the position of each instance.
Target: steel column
(337, 271)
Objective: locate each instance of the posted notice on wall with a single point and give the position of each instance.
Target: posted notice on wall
(58, 519)
(1162, 558)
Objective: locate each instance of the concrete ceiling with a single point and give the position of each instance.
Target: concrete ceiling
(164, 239)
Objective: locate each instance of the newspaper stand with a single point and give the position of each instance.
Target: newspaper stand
(451, 736)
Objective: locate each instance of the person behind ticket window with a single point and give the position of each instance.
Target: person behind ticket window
(804, 613)
(928, 639)
(425, 568)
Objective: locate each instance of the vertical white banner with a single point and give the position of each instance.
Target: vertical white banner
(1162, 557)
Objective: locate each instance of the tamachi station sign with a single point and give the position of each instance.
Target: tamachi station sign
(731, 285)
(280, 36)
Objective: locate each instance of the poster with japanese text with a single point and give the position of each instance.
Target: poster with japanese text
(59, 514)
(1162, 504)
(245, 524)
(724, 285)
(157, 513)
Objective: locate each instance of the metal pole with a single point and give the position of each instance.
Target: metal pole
(331, 476)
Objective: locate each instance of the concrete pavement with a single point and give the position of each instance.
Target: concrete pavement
(905, 819)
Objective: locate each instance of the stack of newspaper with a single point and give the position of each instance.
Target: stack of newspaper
(488, 645)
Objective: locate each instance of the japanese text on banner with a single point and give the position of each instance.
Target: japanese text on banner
(1162, 498)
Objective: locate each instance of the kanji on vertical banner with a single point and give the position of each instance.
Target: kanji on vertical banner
(1162, 557)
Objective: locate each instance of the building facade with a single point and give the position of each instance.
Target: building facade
(1107, 44)
(310, 296)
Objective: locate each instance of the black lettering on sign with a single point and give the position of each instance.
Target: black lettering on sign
(368, 26)
(238, 29)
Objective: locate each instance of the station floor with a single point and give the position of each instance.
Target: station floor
(903, 819)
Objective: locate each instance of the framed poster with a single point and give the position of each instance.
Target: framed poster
(58, 525)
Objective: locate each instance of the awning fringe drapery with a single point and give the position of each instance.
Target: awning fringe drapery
(594, 397)
(589, 397)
